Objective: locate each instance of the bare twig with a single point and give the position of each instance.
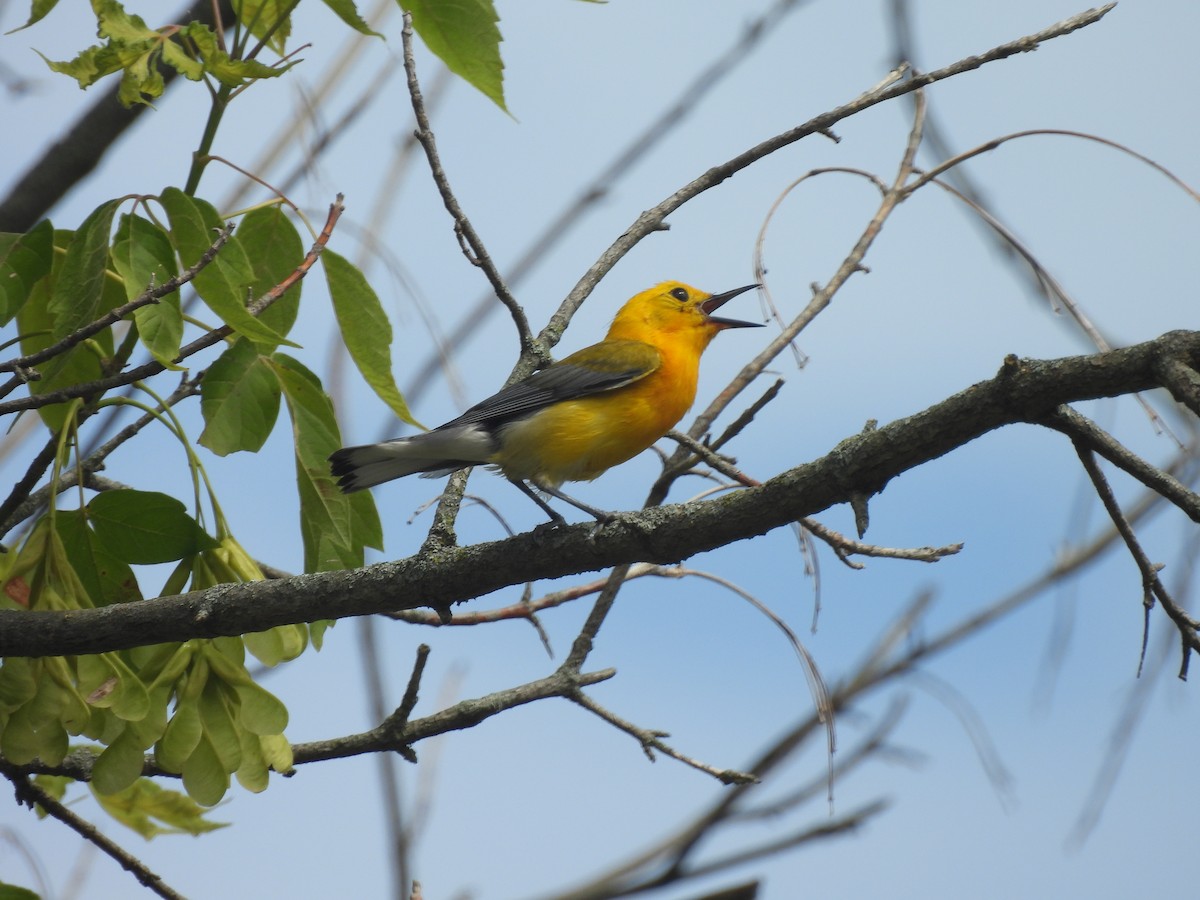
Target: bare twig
(652, 219)
(29, 794)
(1152, 587)
(390, 797)
(474, 248)
(582, 645)
(1083, 430)
(742, 421)
(821, 299)
(652, 741)
(722, 464)
(527, 608)
(1182, 381)
(22, 489)
(1134, 707)
(464, 714)
(995, 143)
(657, 131)
(846, 547)
(400, 717)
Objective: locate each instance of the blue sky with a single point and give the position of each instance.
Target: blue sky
(541, 797)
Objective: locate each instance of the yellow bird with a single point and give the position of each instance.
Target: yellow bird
(576, 418)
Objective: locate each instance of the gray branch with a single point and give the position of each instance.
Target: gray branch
(1024, 391)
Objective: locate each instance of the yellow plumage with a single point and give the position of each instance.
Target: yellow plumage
(574, 419)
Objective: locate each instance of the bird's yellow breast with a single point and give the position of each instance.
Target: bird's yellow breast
(577, 440)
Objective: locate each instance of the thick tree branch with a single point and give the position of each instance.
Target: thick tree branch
(1023, 391)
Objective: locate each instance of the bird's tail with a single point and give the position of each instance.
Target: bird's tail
(437, 452)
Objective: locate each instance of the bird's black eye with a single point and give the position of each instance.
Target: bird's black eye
(679, 294)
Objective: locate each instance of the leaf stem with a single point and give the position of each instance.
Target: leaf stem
(200, 158)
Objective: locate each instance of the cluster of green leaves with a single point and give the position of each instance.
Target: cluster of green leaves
(136, 51)
(221, 722)
(194, 703)
(55, 283)
(462, 33)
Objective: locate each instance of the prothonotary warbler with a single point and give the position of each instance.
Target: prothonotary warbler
(576, 418)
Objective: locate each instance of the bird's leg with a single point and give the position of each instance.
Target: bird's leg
(529, 492)
(600, 515)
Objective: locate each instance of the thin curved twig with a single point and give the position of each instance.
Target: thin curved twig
(652, 220)
(473, 246)
(31, 795)
(600, 186)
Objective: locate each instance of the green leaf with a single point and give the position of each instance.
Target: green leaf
(239, 398)
(317, 629)
(275, 250)
(97, 679)
(348, 13)
(56, 584)
(54, 785)
(18, 682)
(35, 732)
(113, 21)
(276, 645)
(227, 660)
(143, 527)
(261, 712)
(218, 63)
(91, 64)
(80, 364)
(73, 711)
(183, 732)
(131, 701)
(220, 727)
(224, 283)
(144, 804)
(335, 526)
(132, 49)
(106, 578)
(252, 774)
(24, 260)
(119, 766)
(463, 34)
(107, 682)
(204, 777)
(267, 19)
(79, 287)
(277, 752)
(12, 891)
(365, 329)
(143, 256)
(180, 738)
(150, 727)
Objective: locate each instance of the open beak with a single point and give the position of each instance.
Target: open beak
(716, 301)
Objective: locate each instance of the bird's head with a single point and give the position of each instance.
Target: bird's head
(674, 308)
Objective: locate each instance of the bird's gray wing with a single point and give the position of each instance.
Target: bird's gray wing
(601, 367)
